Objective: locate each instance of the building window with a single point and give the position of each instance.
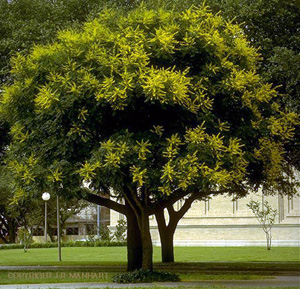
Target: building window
(280, 208)
(206, 205)
(72, 231)
(290, 204)
(235, 205)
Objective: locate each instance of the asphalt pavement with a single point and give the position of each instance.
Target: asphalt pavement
(275, 281)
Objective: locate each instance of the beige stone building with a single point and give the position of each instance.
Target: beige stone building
(222, 221)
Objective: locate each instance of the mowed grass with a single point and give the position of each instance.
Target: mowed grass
(117, 255)
(236, 254)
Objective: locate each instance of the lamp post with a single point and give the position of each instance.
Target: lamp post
(98, 222)
(58, 229)
(46, 198)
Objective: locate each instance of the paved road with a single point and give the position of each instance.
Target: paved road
(279, 281)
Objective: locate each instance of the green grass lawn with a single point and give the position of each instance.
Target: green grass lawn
(192, 263)
(117, 255)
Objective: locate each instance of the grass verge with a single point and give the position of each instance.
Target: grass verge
(89, 256)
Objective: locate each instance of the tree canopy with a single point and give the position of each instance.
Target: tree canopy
(274, 27)
(145, 105)
(24, 23)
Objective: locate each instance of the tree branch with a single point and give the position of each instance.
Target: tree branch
(170, 200)
(95, 199)
(186, 206)
(136, 199)
(160, 219)
(132, 199)
(176, 196)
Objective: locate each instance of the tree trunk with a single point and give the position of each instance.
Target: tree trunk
(268, 236)
(12, 232)
(147, 263)
(167, 232)
(166, 238)
(167, 246)
(134, 244)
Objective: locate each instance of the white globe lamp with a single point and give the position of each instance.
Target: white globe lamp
(46, 197)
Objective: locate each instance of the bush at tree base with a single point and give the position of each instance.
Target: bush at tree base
(145, 276)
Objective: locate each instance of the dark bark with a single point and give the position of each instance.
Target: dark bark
(147, 247)
(134, 240)
(12, 231)
(167, 246)
(98, 200)
(166, 232)
(134, 244)
(140, 209)
(166, 238)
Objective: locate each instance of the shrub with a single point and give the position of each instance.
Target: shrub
(66, 244)
(25, 237)
(105, 233)
(145, 276)
(121, 228)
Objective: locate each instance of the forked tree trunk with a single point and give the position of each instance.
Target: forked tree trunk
(166, 238)
(166, 232)
(134, 240)
(134, 244)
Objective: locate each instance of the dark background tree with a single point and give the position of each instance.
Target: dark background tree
(8, 223)
(24, 23)
(29, 212)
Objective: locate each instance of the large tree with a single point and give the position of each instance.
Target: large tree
(148, 106)
(27, 22)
